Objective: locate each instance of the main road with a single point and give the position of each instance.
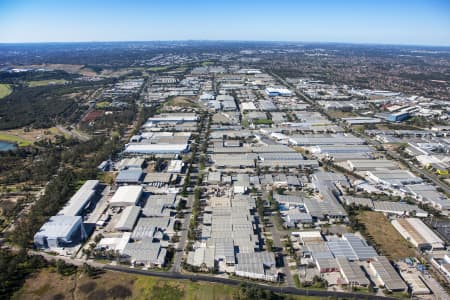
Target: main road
(236, 282)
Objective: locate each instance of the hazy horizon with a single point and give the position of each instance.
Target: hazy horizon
(415, 22)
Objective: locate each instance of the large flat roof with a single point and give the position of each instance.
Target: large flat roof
(59, 226)
(80, 199)
(126, 195)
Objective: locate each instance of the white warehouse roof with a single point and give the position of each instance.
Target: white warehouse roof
(156, 148)
(126, 196)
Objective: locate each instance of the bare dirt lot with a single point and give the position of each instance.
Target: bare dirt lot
(385, 236)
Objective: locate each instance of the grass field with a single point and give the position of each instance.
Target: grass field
(385, 236)
(47, 284)
(156, 69)
(46, 82)
(5, 90)
(102, 104)
(14, 139)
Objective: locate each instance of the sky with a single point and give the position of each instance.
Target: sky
(416, 22)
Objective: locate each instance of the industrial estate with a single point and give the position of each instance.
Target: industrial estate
(229, 169)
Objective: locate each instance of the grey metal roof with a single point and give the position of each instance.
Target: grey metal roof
(255, 262)
(80, 199)
(352, 272)
(341, 248)
(128, 218)
(59, 227)
(386, 272)
(129, 175)
(145, 251)
(398, 207)
(360, 247)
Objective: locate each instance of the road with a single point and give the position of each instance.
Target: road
(277, 242)
(236, 282)
(176, 267)
(74, 133)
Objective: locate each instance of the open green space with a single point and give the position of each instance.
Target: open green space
(156, 69)
(48, 284)
(35, 83)
(102, 104)
(14, 139)
(5, 90)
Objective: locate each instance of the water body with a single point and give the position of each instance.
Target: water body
(5, 146)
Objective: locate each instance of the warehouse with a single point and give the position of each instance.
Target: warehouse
(395, 178)
(173, 117)
(399, 208)
(133, 162)
(81, 199)
(361, 120)
(295, 216)
(398, 117)
(291, 163)
(60, 231)
(132, 175)
(114, 243)
(352, 272)
(128, 218)
(258, 265)
(155, 228)
(126, 196)
(202, 258)
(418, 234)
(324, 139)
(145, 253)
(357, 201)
(234, 161)
(386, 274)
(159, 205)
(371, 164)
(341, 149)
(278, 91)
(214, 177)
(158, 179)
(287, 201)
(156, 148)
(428, 194)
(351, 247)
(175, 166)
(413, 278)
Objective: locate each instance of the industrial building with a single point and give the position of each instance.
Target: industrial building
(60, 231)
(352, 272)
(173, 117)
(128, 195)
(277, 91)
(145, 252)
(156, 148)
(393, 178)
(418, 234)
(398, 117)
(386, 275)
(128, 218)
(129, 175)
(81, 199)
(258, 265)
(371, 164)
(399, 208)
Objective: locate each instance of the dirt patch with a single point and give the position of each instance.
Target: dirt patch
(385, 236)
